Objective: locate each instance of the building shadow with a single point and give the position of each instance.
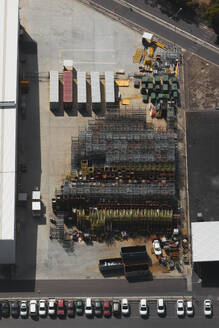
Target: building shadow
(29, 154)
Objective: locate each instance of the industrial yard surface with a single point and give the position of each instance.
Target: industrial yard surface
(54, 32)
(203, 162)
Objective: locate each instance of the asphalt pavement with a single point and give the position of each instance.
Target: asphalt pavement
(155, 27)
(170, 320)
(95, 288)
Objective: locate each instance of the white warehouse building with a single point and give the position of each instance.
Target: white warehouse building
(8, 126)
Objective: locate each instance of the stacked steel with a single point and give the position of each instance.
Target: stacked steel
(123, 175)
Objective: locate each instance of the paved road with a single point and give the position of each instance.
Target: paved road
(199, 31)
(157, 28)
(112, 287)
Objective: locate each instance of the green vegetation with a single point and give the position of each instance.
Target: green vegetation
(212, 16)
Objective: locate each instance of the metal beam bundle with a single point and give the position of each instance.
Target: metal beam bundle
(123, 190)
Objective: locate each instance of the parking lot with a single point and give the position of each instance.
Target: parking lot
(133, 305)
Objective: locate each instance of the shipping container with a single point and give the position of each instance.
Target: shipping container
(95, 90)
(54, 89)
(109, 87)
(137, 271)
(81, 90)
(134, 255)
(111, 266)
(67, 89)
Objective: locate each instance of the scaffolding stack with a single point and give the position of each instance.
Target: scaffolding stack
(123, 174)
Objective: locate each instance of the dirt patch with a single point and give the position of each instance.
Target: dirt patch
(202, 81)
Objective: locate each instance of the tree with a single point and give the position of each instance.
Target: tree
(212, 16)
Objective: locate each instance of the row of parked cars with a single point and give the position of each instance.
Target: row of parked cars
(61, 308)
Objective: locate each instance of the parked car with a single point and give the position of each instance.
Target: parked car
(15, 309)
(33, 308)
(5, 309)
(157, 247)
(208, 308)
(161, 309)
(42, 308)
(125, 306)
(88, 307)
(70, 309)
(24, 309)
(61, 308)
(79, 307)
(116, 308)
(180, 308)
(106, 308)
(143, 308)
(98, 308)
(52, 307)
(189, 308)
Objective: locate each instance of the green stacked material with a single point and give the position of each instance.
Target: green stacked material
(175, 94)
(174, 80)
(174, 86)
(145, 98)
(150, 86)
(165, 87)
(160, 96)
(144, 79)
(167, 96)
(150, 79)
(153, 97)
(143, 85)
(165, 78)
(157, 88)
(157, 79)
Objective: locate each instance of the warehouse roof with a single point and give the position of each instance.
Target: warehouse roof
(82, 89)
(8, 95)
(205, 242)
(109, 87)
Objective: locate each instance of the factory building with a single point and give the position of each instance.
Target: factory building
(8, 126)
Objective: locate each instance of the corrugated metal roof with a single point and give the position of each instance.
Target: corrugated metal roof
(54, 86)
(67, 93)
(205, 242)
(95, 87)
(81, 87)
(109, 87)
(8, 93)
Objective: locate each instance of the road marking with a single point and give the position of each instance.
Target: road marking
(94, 62)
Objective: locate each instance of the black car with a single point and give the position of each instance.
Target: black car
(98, 308)
(70, 309)
(5, 309)
(15, 309)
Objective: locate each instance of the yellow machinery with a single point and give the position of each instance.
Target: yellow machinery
(137, 55)
(177, 69)
(122, 83)
(160, 45)
(151, 51)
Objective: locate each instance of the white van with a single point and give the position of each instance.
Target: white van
(33, 308)
(88, 307)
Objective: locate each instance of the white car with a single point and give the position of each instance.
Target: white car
(180, 308)
(52, 307)
(189, 308)
(88, 307)
(143, 308)
(207, 308)
(33, 308)
(23, 309)
(42, 308)
(125, 306)
(161, 309)
(157, 248)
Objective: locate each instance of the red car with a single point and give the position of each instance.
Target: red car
(106, 308)
(61, 308)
